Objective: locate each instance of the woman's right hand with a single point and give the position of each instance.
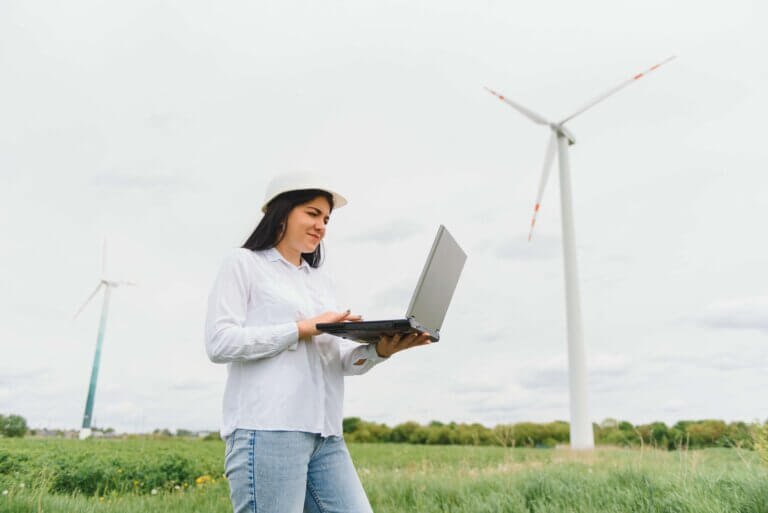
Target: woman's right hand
(308, 327)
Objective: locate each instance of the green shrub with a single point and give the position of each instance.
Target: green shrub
(759, 434)
(98, 475)
(10, 463)
(402, 432)
(103, 467)
(13, 426)
(706, 433)
(350, 424)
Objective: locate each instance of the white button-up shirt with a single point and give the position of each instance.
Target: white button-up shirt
(275, 381)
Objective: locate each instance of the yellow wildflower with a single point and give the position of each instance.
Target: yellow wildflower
(202, 480)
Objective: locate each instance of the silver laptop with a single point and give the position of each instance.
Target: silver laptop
(429, 302)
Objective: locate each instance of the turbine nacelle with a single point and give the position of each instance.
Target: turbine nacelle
(561, 131)
(103, 282)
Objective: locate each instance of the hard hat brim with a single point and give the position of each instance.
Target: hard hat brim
(338, 200)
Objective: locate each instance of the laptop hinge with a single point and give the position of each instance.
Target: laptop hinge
(434, 335)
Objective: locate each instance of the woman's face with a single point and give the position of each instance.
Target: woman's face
(305, 226)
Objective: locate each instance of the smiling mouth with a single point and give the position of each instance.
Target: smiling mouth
(314, 236)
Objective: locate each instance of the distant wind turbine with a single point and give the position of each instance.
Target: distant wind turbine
(582, 436)
(108, 285)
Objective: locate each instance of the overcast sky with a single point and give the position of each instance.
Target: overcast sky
(159, 123)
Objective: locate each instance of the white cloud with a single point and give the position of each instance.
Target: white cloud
(744, 313)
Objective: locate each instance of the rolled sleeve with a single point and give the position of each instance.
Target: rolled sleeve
(358, 359)
(227, 338)
(252, 343)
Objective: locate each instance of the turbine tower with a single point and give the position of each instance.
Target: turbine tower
(108, 285)
(560, 139)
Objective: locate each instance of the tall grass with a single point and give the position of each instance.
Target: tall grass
(403, 478)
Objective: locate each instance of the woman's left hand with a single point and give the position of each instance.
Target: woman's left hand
(387, 346)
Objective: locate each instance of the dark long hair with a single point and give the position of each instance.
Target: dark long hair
(271, 230)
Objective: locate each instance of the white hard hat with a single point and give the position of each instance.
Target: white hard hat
(296, 181)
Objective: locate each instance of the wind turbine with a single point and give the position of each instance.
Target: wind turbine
(108, 285)
(582, 436)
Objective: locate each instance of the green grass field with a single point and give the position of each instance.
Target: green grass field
(141, 475)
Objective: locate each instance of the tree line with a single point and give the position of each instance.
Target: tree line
(683, 434)
(691, 434)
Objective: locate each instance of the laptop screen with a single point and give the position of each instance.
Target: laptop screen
(437, 281)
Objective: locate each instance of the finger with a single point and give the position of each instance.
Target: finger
(406, 341)
(411, 338)
(416, 341)
(350, 318)
(420, 340)
(343, 315)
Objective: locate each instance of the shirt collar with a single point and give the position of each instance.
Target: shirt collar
(273, 255)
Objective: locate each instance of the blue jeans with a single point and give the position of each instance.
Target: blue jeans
(291, 472)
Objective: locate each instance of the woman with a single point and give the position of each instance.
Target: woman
(285, 380)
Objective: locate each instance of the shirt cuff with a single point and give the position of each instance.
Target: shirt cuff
(373, 356)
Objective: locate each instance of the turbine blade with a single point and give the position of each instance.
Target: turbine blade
(616, 89)
(89, 299)
(536, 118)
(549, 157)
